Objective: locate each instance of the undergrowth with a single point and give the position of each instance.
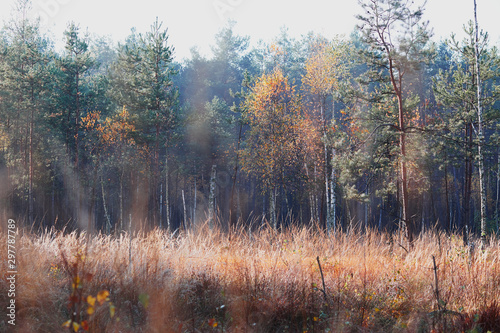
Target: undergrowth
(214, 281)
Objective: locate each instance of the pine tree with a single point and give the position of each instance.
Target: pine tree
(141, 80)
(24, 78)
(456, 89)
(396, 40)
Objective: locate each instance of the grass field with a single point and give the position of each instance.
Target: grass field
(210, 281)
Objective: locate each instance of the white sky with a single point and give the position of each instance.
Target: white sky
(195, 22)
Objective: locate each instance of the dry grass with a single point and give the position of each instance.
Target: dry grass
(211, 281)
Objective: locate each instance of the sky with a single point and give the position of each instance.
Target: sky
(195, 22)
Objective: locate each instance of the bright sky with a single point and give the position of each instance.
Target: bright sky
(195, 22)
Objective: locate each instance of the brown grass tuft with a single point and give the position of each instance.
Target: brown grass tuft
(210, 281)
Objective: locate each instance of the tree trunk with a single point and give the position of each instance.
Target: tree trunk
(272, 208)
(160, 204)
(77, 120)
(232, 207)
(121, 201)
(446, 192)
(30, 158)
(108, 221)
(315, 196)
(156, 174)
(405, 217)
(404, 178)
(194, 202)
(211, 198)
(497, 215)
(468, 184)
(184, 211)
(482, 185)
(167, 201)
(91, 216)
(333, 199)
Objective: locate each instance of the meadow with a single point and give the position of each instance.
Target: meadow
(295, 280)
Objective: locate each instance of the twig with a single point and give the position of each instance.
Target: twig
(322, 280)
(436, 290)
(441, 304)
(404, 248)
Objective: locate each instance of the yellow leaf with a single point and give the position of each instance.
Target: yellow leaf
(91, 300)
(76, 326)
(76, 282)
(112, 310)
(90, 310)
(315, 318)
(67, 323)
(102, 295)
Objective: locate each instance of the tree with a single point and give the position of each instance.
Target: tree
(74, 65)
(76, 62)
(327, 66)
(274, 147)
(456, 89)
(141, 79)
(207, 89)
(111, 142)
(24, 78)
(396, 40)
(480, 134)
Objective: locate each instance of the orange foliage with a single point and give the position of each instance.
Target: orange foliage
(113, 130)
(281, 137)
(326, 66)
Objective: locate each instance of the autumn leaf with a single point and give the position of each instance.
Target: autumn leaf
(85, 325)
(76, 283)
(112, 310)
(91, 300)
(102, 296)
(212, 322)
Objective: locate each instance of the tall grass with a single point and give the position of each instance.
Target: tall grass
(211, 281)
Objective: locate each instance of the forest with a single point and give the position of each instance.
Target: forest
(292, 185)
(380, 129)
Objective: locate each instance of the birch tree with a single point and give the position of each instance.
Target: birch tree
(274, 149)
(326, 68)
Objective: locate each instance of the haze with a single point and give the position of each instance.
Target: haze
(194, 23)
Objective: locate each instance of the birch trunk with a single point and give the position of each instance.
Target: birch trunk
(331, 225)
(167, 201)
(211, 198)
(121, 200)
(272, 208)
(194, 203)
(108, 222)
(482, 185)
(184, 210)
(160, 204)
